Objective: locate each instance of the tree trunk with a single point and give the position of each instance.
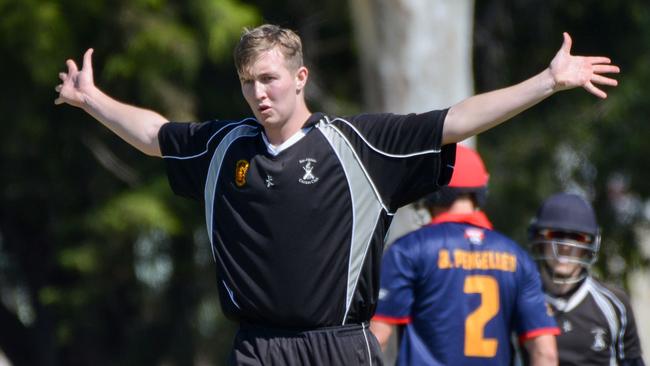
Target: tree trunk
(415, 56)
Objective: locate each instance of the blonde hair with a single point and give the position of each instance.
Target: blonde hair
(255, 41)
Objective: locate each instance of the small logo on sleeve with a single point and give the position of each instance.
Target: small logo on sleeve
(241, 168)
(269, 181)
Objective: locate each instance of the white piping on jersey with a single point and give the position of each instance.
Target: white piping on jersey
(365, 172)
(365, 336)
(207, 144)
(607, 309)
(364, 211)
(214, 169)
(621, 308)
(566, 306)
(231, 294)
(275, 150)
(433, 151)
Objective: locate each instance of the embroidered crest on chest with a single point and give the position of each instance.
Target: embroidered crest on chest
(599, 343)
(308, 165)
(241, 168)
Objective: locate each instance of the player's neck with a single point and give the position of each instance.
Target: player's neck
(279, 134)
(462, 206)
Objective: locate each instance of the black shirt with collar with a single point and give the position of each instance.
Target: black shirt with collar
(298, 236)
(597, 326)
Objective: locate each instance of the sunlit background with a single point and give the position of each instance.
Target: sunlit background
(100, 264)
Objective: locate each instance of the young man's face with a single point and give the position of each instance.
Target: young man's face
(566, 257)
(564, 268)
(271, 89)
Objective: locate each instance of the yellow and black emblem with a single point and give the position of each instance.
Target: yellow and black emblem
(240, 172)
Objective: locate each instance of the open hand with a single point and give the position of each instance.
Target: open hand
(76, 83)
(570, 71)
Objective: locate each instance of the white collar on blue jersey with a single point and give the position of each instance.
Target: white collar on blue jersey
(275, 150)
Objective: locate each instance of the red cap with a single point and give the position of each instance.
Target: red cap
(469, 170)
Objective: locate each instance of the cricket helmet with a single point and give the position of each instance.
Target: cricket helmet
(565, 230)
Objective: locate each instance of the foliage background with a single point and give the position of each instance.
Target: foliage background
(100, 264)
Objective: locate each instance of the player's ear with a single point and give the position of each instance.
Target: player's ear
(302, 75)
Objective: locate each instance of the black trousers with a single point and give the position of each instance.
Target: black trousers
(346, 345)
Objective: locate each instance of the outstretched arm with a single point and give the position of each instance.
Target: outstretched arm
(137, 126)
(484, 111)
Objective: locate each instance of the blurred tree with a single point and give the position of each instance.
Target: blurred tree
(99, 263)
(98, 260)
(572, 141)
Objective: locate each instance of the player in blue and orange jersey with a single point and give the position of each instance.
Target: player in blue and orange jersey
(461, 289)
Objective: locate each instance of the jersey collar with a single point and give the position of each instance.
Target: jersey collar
(568, 303)
(274, 150)
(476, 218)
(313, 119)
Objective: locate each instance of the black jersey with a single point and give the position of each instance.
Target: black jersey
(597, 326)
(298, 237)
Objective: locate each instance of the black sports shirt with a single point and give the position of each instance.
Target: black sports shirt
(597, 326)
(298, 237)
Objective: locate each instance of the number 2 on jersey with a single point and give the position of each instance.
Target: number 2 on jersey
(476, 345)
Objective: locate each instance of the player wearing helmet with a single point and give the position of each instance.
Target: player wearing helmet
(459, 288)
(596, 320)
